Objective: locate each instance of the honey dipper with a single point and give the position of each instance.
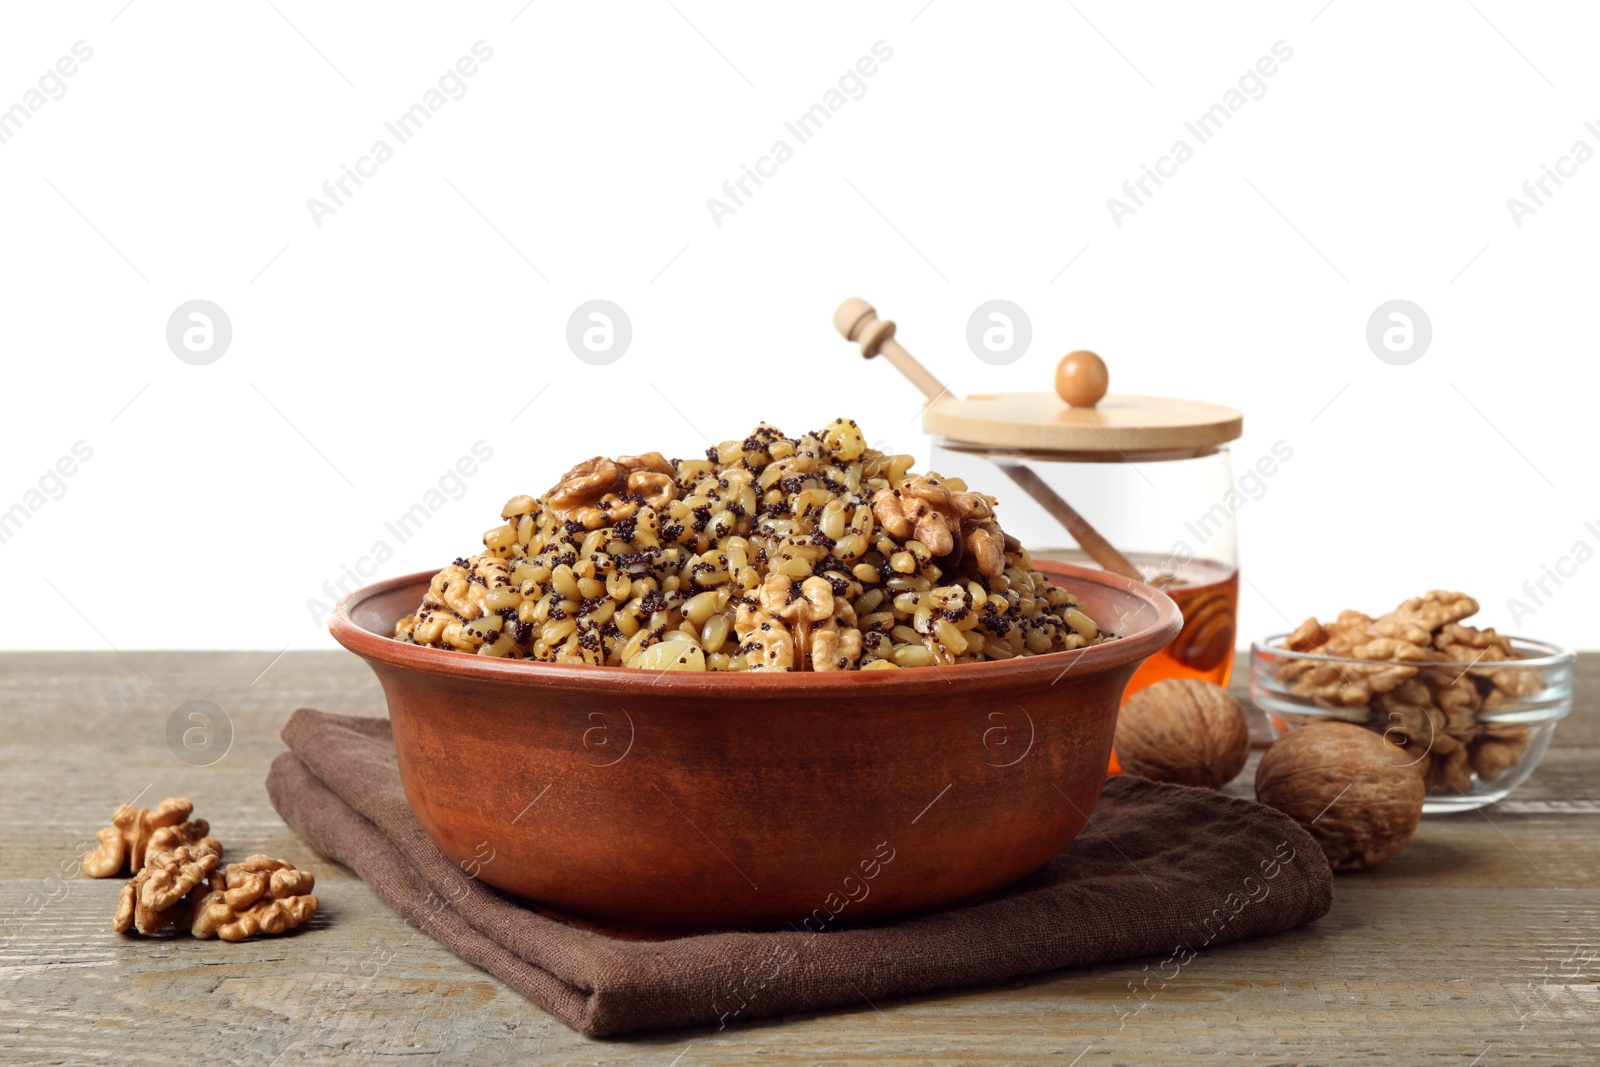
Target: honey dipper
(858, 321)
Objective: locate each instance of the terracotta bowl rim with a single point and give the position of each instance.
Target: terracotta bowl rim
(448, 663)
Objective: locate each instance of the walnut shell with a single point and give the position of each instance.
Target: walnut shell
(1358, 793)
(1185, 731)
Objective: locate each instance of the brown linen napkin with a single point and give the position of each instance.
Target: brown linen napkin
(1161, 870)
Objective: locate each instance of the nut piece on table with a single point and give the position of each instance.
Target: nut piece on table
(1357, 793)
(1185, 731)
(125, 842)
(262, 895)
(155, 898)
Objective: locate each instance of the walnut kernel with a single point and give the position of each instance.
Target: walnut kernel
(123, 844)
(262, 895)
(154, 899)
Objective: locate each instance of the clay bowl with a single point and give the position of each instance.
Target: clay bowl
(666, 800)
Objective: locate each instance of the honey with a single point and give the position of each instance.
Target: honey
(1207, 593)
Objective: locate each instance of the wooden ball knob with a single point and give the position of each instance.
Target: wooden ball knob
(1081, 379)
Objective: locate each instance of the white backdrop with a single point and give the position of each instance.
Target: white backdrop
(379, 338)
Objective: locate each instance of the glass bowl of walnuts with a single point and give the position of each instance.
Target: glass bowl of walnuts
(1473, 709)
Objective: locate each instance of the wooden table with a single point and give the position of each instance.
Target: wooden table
(1478, 945)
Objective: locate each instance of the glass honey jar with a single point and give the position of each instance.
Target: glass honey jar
(1140, 485)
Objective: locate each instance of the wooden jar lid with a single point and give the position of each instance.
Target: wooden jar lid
(1118, 424)
(1094, 424)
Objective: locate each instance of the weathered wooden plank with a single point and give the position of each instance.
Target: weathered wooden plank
(1481, 940)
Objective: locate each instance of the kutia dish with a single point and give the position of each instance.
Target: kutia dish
(693, 794)
(771, 553)
(657, 800)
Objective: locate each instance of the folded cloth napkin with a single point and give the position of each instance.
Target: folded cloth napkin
(1160, 870)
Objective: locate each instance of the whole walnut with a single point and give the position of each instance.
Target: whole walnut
(1185, 731)
(1358, 793)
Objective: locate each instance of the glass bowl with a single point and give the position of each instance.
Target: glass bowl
(1476, 730)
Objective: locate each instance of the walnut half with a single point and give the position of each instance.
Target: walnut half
(262, 895)
(763, 639)
(601, 491)
(949, 523)
(133, 832)
(154, 898)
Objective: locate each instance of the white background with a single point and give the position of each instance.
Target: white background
(370, 353)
